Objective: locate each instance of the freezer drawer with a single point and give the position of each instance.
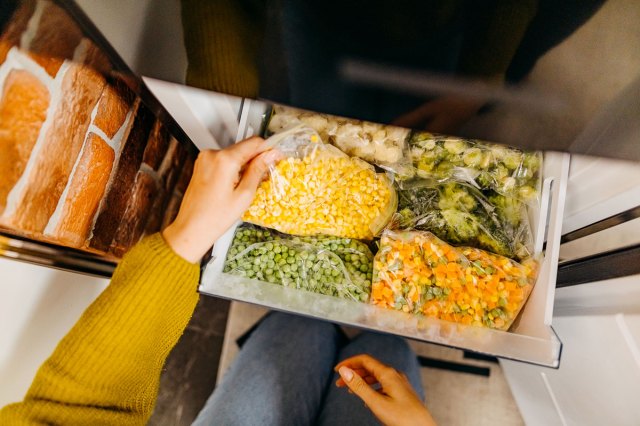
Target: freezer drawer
(531, 339)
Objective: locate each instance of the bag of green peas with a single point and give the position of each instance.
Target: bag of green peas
(340, 267)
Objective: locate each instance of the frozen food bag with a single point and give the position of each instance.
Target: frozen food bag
(507, 171)
(317, 189)
(460, 214)
(415, 271)
(340, 267)
(375, 143)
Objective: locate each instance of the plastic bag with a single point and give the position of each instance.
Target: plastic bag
(417, 272)
(375, 143)
(319, 190)
(332, 266)
(460, 214)
(507, 171)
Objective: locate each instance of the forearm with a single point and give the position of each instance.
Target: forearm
(107, 368)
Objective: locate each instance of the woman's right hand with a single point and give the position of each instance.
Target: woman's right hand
(395, 402)
(221, 189)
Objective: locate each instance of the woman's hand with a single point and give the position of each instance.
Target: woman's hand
(221, 189)
(395, 402)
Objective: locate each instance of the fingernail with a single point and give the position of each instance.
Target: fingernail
(346, 373)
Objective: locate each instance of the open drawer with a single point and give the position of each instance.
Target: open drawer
(531, 338)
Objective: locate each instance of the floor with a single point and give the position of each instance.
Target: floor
(474, 399)
(189, 375)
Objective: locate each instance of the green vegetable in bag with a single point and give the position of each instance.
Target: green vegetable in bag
(460, 214)
(339, 267)
(489, 167)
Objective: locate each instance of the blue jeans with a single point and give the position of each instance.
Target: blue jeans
(284, 375)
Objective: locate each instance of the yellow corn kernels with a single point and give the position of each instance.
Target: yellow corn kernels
(324, 194)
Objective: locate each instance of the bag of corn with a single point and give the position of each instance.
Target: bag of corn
(318, 189)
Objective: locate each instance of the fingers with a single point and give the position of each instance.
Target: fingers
(365, 362)
(360, 387)
(255, 171)
(367, 378)
(390, 379)
(244, 151)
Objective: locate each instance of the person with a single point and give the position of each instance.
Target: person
(106, 370)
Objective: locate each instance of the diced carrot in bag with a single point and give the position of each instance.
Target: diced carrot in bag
(469, 286)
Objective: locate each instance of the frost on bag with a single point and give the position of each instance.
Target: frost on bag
(416, 272)
(332, 266)
(375, 143)
(460, 214)
(317, 189)
(507, 171)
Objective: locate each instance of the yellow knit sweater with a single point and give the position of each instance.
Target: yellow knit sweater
(107, 369)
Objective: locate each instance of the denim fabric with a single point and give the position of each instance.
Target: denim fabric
(341, 407)
(284, 375)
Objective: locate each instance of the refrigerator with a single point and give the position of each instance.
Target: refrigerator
(98, 160)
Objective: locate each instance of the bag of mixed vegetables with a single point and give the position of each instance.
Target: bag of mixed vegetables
(375, 143)
(417, 272)
(509, 172)
(339, 267)
(317, 189)
(460, 214)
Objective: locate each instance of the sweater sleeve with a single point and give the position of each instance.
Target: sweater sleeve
(106, 370)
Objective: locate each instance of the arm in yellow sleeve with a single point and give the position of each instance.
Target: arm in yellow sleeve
(106, 370)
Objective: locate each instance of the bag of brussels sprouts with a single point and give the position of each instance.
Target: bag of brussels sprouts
(319, 190)
(460, 214)
(339, 267)
(490, 167)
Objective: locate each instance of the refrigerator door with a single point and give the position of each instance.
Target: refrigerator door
(91, 161)
(531, 340)
(536, 74)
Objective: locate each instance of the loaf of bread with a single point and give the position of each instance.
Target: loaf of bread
(56, 37)
(95, 58)
(23, 109)
(51, 169)
(16, 25)
(117, 197)
(114, 104)
(168, 173)
(131, 227)
(83, 195)
(173, 206)
(147, 188)
(157, 145)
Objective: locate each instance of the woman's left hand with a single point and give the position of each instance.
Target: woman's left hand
(221, 189)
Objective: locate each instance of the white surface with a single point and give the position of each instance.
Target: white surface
(37, 307)
(599, 188)
(622, 235)
(620, 295)
(208, 118)
(598, 382)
